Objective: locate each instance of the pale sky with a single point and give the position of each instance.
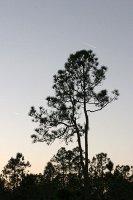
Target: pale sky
(36, 38)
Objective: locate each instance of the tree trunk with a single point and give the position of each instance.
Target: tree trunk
(84, 166)
(81, 152)
(86, 181)
(86, 129)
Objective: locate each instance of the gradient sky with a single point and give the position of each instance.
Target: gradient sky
(36, 38)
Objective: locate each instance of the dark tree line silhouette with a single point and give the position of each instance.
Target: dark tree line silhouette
(63, 179)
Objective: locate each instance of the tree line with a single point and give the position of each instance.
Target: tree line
(63, 179)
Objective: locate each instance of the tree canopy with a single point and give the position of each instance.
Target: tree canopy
(75, 94)
(14, 171)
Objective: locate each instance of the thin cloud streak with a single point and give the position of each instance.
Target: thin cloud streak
(90, 45)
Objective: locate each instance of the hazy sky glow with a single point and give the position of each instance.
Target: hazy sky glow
(36, 38)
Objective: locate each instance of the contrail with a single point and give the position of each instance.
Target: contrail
(90, 45)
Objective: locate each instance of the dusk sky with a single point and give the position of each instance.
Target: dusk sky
(36, 38)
